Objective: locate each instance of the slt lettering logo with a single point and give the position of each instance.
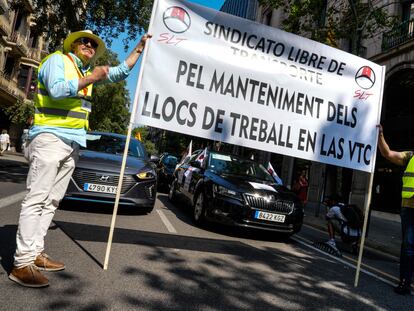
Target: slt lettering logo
(176, 19)
(365, 77)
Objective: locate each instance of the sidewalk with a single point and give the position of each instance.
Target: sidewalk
(12, 156)
(383, 231)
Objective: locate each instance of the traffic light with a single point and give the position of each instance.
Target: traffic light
(138, 136)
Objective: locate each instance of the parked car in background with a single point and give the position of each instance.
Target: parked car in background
(165, 171)
(96, 175)
(228, 189)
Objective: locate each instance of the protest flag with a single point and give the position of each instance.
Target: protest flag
(202, 157)
(274, 174)
(187, 153)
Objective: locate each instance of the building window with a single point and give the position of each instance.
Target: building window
(267, 17)
(22, 78)
(408, 10)
(9, 67)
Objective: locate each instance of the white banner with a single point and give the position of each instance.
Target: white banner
(217, 76)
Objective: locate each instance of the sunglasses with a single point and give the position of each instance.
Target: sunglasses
(85, 41)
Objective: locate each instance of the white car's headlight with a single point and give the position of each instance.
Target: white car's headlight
(217, 189)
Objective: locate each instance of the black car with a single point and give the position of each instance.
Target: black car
(165, 170)
(96, 175)
(231, 190)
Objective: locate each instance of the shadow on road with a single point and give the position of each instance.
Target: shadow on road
(13, 171)
(184, 213)
(7, 246)
(247, 278)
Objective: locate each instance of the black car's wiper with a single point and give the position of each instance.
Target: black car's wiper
(249, 177)
(232, 174)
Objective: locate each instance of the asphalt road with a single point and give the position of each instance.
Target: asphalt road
(161, 261)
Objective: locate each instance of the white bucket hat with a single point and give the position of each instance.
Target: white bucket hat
(84, 34)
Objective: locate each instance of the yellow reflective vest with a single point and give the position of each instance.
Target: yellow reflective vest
(408, 180)
(69, 112)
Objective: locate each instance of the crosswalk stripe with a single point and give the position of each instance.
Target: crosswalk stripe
(11, 199)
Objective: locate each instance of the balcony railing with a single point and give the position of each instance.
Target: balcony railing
(398, 35)
(35, 54)
(10, 87)
(20, 41)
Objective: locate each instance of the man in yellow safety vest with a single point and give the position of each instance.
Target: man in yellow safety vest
(404, 158)
(62, 108)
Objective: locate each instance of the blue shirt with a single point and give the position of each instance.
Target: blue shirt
(52, 75)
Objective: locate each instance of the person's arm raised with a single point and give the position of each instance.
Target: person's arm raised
(99, 73)
(137, 51)
(395, 157)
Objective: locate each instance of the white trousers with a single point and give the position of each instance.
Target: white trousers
(51, 165)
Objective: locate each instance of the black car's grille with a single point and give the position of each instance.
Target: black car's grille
(150, 191)
(280, 206)
(82, 176)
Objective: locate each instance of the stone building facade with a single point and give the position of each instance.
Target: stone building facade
(21, 51)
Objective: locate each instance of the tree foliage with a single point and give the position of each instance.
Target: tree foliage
(330, 21)
(110, 102)
(108, 18)
(21, 112)
(146, 139)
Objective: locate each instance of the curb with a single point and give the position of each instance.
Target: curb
(368, 243)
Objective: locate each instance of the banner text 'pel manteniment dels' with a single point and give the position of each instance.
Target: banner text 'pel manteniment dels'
(213, 75)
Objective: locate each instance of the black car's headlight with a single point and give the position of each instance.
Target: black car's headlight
(220, 190)
(146, 175)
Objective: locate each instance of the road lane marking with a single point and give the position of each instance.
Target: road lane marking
(166, 222)
(15, 174)
(11, 199)
(308, 243)
(373, 269)
(169, 226)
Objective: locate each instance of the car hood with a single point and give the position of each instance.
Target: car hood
(245, 184)
(111, 162)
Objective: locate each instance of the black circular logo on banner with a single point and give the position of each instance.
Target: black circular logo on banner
(365, 77)
(176, 19)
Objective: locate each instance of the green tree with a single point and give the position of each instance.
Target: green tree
(108, 18)
(145, 139)
(21, 112)
(110, 102)
(329, 21)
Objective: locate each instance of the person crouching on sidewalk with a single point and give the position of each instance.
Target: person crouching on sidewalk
(344, 219)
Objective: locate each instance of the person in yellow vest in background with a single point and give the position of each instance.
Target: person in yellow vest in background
(403, 158)
(62, 108)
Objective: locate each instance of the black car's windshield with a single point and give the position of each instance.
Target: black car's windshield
(233, 165)
(113, 145)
